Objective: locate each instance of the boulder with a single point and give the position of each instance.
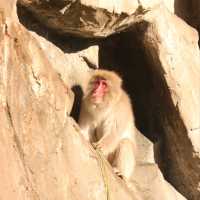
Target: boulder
(44, 155)
(172, 48)
(88, 18)
(72, 67)
(170, 4)
(151, 184)
(159, 58)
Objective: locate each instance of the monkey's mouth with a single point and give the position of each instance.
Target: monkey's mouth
(98, 93)
(96, 99)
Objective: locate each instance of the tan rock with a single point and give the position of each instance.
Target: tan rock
(170, 4)
(88, 18)
(90, 55)
(183, 9)
(43, 155)
(145, 150)
(151, 184)
(117, 6)
(148, 179)
(71, 67)
(172, 47)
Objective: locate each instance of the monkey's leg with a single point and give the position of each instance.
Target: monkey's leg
(124, 161)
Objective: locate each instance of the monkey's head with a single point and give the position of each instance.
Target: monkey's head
(104, 88)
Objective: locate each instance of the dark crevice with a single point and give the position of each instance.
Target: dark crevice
(182, 8)
(189, 12)
(78, 93)
(155, 113)
(124, 53)
(66, 42)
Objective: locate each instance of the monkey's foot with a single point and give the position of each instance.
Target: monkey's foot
(94, 144)
(101, 147)
(118, 173)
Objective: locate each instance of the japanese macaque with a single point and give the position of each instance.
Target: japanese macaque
(106, 121)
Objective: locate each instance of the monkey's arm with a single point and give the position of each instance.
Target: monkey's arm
(116, 126)
(111, 132)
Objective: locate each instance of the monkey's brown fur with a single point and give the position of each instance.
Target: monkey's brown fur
(110, 123)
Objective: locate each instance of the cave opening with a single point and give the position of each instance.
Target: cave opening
(125, 54)
(156, 116)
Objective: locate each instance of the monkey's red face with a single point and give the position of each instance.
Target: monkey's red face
(100, 88)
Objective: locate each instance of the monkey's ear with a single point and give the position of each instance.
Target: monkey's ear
(115, 78)
(119, 79)
(111, 76)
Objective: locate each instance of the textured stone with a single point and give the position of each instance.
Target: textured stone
(71, 67)
(88, 18)
(44, 156)
(43, 153)
(170, 4)
(172, 46)
(151, 184)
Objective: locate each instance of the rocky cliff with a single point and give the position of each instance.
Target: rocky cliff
(47, 51)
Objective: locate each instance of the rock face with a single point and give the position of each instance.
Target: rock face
(172, 43)
(43, 154)
(170, 4)
(161, 68)
(38, 139)
(71, 67)
(153, 186)
(187, 10)
(88, 18)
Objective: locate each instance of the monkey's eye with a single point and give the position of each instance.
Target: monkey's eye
(96, 84)
(104, 84)
(100, 84)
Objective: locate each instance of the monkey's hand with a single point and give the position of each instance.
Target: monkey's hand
(103, 147)
(118, 173)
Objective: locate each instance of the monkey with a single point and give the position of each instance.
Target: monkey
(107, 122)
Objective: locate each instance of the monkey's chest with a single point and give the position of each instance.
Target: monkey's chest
(102, 128)
(98, 133)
